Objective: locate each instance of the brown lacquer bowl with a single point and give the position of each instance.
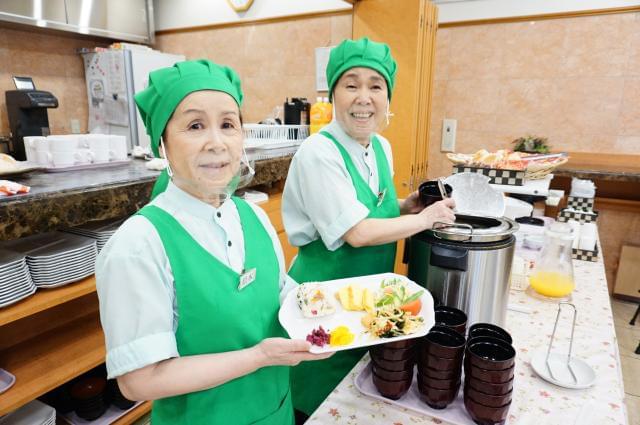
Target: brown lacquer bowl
(392, 354)
(485, 415)
(391, 389)
(435, 398)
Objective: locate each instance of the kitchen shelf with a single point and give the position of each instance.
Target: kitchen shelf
(135, 414)
(51, 359)
(44, 299)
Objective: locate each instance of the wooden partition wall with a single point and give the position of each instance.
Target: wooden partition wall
(409, 28)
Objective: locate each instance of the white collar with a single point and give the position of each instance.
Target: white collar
(182, 200)
(335, 129)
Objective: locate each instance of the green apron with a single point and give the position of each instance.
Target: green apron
(214, 316)
(311, 382)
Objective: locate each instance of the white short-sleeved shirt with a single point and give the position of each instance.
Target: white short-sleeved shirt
(138, 307)
(319, 200)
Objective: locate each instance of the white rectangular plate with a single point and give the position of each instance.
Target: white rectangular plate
(21, 167)
(299, 326)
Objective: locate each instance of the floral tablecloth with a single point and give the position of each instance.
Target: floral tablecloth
(535, 401)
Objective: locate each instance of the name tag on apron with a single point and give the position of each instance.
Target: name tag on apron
(247, 278)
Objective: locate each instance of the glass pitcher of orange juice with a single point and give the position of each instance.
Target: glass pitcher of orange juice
(553, 272)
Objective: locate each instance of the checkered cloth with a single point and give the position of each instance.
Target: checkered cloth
(581, 204)
(584, 255)
(508, 177)
(581, 216)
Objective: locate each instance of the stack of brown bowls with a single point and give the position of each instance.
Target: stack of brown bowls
(451, 318)
(439, 366)
(393, 367)
(88, 394)
(489, 371)
(116, 397)
(487, 329)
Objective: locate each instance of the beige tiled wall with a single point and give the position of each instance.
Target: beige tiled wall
(275, 60)
(574, 80)
(52, 61)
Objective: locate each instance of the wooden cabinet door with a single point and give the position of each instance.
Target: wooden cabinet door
(398, 23)
(429, 26)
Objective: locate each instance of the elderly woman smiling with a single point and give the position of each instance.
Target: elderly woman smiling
(189, 286)
(339, 204)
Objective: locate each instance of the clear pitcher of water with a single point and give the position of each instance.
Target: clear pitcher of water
(553, 273)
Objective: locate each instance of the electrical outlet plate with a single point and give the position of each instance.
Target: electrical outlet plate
(75, 126)
(448, 135)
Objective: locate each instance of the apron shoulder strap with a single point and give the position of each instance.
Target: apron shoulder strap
(361, 186)
(172, 234)
(248, 218)
(257, 242)
(343, 152)
(384, 173)
(157, 215)
(244, 209)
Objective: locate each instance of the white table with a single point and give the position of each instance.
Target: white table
(535, 401)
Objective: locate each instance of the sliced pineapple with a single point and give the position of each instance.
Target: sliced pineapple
(368, 301)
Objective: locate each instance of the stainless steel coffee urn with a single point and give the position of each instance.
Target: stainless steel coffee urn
(466, 265)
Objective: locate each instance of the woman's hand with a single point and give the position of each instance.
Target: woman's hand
(286, 352)
(412, 204)
(440, 211)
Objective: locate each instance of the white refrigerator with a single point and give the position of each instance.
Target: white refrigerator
(113, 76)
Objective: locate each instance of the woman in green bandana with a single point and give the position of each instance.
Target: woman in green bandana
(339, 204)
(189, 287)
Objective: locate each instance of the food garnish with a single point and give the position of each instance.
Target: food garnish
(341, 336)
(395, 294)
(318, 337)
(313, 302)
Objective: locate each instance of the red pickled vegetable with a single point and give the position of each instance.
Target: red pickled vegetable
(318, 337)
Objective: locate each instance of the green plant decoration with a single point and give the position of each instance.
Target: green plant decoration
(531, 144)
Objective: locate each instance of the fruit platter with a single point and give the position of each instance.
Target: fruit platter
(357, 312)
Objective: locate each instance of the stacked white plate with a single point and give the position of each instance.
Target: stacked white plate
(32, 413)
(56, 258)
(15, 281)
(100, 230)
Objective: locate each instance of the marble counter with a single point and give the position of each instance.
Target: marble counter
(599, 172)
(74, 197)
(45, 184)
